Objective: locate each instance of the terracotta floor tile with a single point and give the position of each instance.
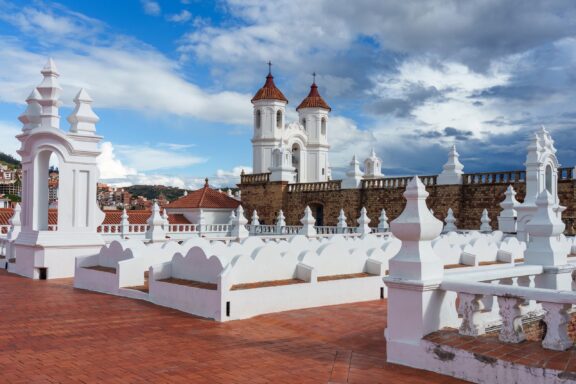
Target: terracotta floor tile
(54, 333)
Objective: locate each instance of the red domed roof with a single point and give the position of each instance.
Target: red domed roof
(314, 100)
(269, 91)
(205, 198)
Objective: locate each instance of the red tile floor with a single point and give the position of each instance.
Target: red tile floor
(53, 333)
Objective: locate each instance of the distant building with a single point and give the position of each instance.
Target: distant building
(204, 206)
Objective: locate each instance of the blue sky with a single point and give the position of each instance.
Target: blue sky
(172, 79)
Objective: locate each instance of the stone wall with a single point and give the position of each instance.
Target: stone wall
(467, 201)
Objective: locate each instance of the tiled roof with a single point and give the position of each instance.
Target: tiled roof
(269, 91)
(112, 217)
(205, 198)
(140, 217)
(314, 100)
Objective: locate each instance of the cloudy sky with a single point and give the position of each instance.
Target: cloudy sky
(172, 79)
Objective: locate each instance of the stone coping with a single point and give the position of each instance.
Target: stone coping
(266, 284)
(190, 283)
(101, 268)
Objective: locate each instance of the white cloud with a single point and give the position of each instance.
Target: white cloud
(119, 73)
(147, 158)
(151, 7)
(110, 167)
(181, 17)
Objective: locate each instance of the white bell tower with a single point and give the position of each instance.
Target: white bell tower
(269, 115)
(313, 115)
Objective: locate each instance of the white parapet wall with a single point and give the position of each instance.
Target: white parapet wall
(251, 274)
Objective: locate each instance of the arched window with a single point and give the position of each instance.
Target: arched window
(279, 119)
(549, 178)
(323, 128)
(303, 122)
(258, 119)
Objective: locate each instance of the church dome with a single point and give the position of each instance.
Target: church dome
(314, 100)
(269, 91)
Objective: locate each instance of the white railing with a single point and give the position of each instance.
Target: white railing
(182, 228)
(110, 228)
(514, 291)
(262, 229)
(212, 228)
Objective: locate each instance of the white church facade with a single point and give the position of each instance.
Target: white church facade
(295, 151)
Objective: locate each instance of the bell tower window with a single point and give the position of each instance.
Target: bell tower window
(279, 119)
(258, 119)
(323, 126)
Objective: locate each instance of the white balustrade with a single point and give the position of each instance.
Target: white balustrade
(512, 298)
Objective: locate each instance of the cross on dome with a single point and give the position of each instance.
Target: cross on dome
(269, 91)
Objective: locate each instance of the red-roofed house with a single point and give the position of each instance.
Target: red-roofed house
(203, 206)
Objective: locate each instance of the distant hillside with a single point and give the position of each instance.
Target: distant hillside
(153, 191)
(9, 160)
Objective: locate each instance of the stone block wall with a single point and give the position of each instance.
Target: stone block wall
(467, 201)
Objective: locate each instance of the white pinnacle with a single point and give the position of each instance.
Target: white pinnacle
(363, 222)
(450, 221)
(383, 225)
(485, 220)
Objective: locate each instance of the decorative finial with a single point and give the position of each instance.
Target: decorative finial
(269, 68)
(206, 182)
(313, 77)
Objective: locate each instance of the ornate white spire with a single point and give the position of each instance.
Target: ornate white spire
(155, 223)
(280, 222)
(485, 220)
(32, 117)
(373, 166)
(165, 218)
(255, 220)
(416, 227)
(383, 225)
(308, 222)
(50, 90)
(508, 215)
(452, 170)
(83, 119)
(353, 176)
(544, 228)
(450, 221)
(341, 222)
(239, 230)
(363, 222)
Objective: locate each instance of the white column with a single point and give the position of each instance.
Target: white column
(546, 248)
(416, 307)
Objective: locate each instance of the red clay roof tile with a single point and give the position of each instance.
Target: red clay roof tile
(205, 198)
(269, 91)
(314, 100)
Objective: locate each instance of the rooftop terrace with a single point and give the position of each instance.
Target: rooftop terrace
(53, 333)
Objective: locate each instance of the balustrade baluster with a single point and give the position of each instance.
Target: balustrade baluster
(510, 312)
(470, 307)
(557, 318)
